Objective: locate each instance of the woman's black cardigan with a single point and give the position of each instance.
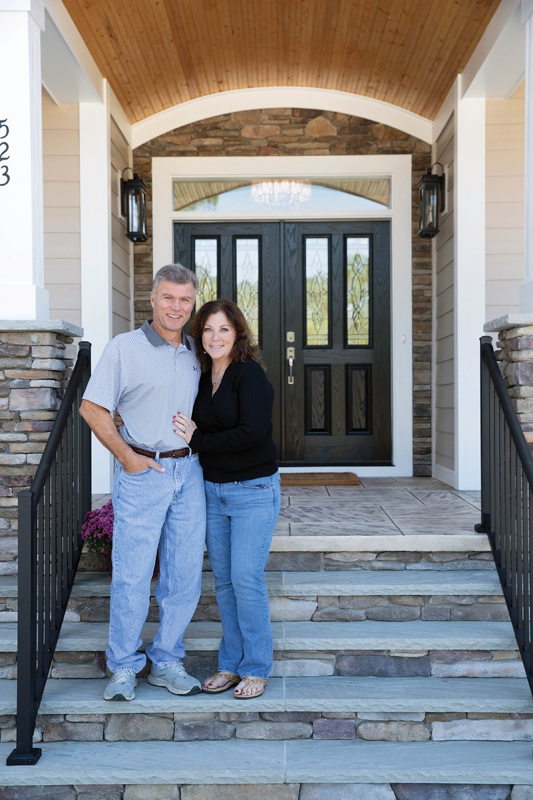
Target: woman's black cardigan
(234, 433)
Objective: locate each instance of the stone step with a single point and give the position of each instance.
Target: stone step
(372, 552)
(310, 636)
(421, 551)
(279, 762)
(318, 596)
(296, 708)
(325, 583)
(313, 649)
(321, 596)
(330, 695)
(332, 596)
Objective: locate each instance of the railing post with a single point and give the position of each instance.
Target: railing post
(485, 524)
(25, 753)
(86, 459)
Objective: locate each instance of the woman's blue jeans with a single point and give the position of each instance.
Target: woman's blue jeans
(241, 517)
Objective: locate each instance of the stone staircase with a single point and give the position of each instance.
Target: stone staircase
(396, 672)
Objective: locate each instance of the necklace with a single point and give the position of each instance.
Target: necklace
(214, 383)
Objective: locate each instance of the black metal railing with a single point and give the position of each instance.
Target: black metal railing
(50, 516)
(507, 499)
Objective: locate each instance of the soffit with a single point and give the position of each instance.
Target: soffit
(159, 53)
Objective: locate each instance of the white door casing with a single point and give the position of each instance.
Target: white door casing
(398, 169)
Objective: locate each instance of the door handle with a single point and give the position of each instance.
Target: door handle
(290, 359)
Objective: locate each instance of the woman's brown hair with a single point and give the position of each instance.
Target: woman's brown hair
(243, 347)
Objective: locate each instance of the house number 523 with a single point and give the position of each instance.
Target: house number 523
(4, 148)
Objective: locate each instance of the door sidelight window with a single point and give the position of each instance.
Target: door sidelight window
(247, 283)
(317, 292)
(357, 291)
(206, 258)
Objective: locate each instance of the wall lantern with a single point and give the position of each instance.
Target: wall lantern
(133, 206)
(429, 187)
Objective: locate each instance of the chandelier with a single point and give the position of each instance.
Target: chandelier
(278, 194)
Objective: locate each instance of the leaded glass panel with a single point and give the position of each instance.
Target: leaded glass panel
(247, 276)
(206, 268)
(317, 291)
(358, 291)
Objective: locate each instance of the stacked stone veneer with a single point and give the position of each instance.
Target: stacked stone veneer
(297, 132)
(34, 371)
(276, 726)
(516, 364)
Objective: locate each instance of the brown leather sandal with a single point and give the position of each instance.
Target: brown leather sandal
(232, 680)
(250, 680)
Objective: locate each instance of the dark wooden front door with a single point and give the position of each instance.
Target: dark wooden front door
(317, 296)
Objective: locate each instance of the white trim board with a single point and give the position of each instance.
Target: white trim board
(469, 283)
(444, 474)
(276, 97)
(398, 168)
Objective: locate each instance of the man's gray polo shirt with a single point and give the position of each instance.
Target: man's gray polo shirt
(147, 380)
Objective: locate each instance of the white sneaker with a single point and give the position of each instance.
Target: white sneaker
(175, 678)
(121, 686)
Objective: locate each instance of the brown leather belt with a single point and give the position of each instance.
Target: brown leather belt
(167, 454)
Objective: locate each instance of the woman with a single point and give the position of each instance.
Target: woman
(232, 431)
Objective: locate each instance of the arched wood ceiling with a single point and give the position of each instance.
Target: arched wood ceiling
(158, 53)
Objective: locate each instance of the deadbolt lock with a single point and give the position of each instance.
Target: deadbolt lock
(290, 336)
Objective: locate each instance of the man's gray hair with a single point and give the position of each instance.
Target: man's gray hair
(175, 273)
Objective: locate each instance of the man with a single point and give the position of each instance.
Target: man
(149, 375)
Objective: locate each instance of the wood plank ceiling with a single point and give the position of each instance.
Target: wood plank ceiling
(158, 53)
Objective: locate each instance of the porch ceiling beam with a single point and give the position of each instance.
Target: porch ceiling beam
(497, 64)
(70, 73)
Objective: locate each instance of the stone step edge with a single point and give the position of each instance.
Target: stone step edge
(270, 762)
(331, 694)
(324, 583)
(423, 543)
(315, 637)
(309, 636)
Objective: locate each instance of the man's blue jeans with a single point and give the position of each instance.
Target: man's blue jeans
(164, 510)
(241, 517)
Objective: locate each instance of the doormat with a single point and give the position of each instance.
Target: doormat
(319, 479)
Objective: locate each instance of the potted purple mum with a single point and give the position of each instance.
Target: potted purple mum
(97, 533)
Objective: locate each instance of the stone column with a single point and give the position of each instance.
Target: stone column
(34, 371)
(22, 292)
(515, 340)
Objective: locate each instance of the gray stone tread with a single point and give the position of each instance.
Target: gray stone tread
(249, 762)
(417, 635)
(325, 583)
(391, 583)
(365, 635)
(331, 694)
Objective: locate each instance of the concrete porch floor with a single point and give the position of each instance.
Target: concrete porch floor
(379, 506)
